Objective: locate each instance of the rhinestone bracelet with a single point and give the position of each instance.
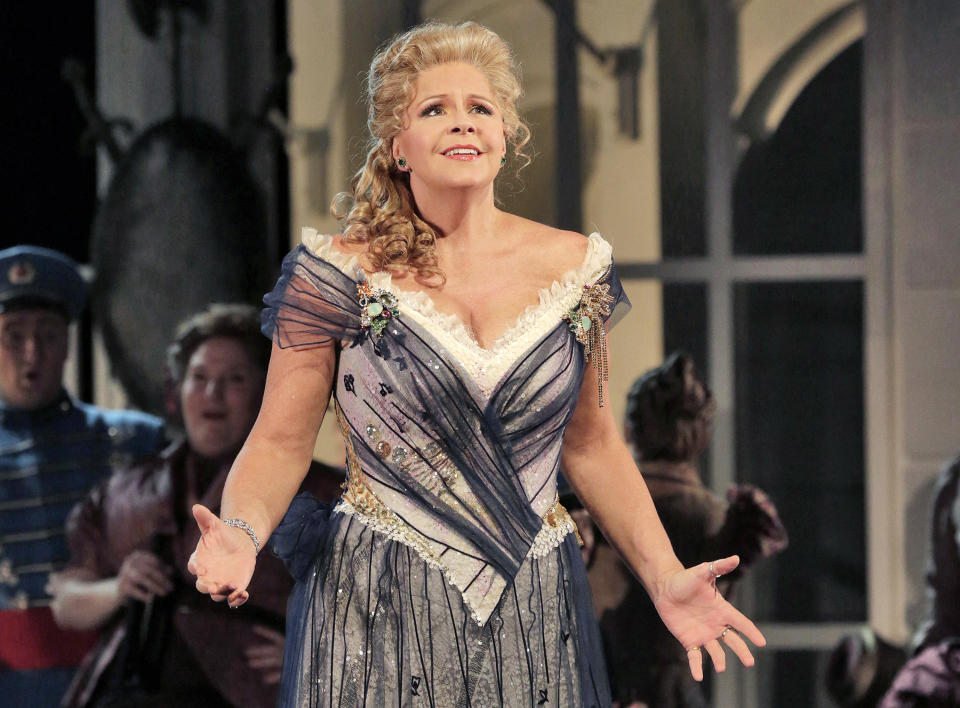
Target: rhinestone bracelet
(244, 526)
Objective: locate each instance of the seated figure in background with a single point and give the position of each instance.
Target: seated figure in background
(131, 537)
(53, 450)
(668, 418)
(931, 679)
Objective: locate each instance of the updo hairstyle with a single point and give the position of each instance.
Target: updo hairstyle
(383, 214)
(669, 412)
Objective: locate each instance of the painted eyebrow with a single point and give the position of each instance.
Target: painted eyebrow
(474, 96)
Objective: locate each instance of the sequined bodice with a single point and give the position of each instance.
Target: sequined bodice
(453, 449)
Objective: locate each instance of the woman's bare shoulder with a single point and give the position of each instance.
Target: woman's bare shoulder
(558, 249)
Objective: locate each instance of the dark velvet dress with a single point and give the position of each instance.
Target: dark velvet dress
(448, 574)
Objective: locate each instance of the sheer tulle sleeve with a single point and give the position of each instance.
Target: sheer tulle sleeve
(301, 533)
(620, 304)
(312, 303)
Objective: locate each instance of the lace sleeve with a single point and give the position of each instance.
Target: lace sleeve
(312, 303)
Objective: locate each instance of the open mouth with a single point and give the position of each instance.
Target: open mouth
(462, 153)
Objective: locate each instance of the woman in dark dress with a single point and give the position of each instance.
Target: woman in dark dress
(130, 540)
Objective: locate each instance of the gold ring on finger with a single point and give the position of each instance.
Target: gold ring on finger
(724, 632)
(690, 649)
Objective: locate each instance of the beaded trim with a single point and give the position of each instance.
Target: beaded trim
(439, 467)
(557, 525)
(378, 517)
(360, 502)
(586, 323)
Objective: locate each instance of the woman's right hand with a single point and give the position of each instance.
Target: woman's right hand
(224, 559)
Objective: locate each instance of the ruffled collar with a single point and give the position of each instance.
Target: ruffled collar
(597, 258)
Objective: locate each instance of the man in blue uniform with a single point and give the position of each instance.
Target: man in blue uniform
(53, 449)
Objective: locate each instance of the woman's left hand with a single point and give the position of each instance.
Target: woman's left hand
(700, 618)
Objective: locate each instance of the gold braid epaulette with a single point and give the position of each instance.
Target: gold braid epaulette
(586, 323)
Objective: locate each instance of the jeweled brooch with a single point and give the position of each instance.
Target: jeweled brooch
(377, 307)
(586, 322)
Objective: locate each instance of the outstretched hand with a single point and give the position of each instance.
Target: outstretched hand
(700, 618)
(224, 559)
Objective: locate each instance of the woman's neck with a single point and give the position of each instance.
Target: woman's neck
(463, 217)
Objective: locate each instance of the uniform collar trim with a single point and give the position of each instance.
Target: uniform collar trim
(11, 416)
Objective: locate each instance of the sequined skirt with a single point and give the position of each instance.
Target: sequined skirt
(373, 624)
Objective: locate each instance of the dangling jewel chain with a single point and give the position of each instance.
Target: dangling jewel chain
(586, 323)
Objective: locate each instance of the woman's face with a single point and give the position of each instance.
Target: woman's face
(220, 396)
(453, 135)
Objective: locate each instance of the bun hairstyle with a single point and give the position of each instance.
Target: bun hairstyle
(383, 214)
(669, 412)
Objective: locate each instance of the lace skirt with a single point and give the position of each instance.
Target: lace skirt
(372, 624)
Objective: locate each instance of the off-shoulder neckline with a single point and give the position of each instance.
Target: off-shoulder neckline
(596, 260)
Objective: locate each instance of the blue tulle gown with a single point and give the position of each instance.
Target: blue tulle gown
(448, 574)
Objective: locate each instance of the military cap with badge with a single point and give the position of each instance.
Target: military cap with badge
(34, 276)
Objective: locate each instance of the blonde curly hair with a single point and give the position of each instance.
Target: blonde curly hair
(382, 214)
